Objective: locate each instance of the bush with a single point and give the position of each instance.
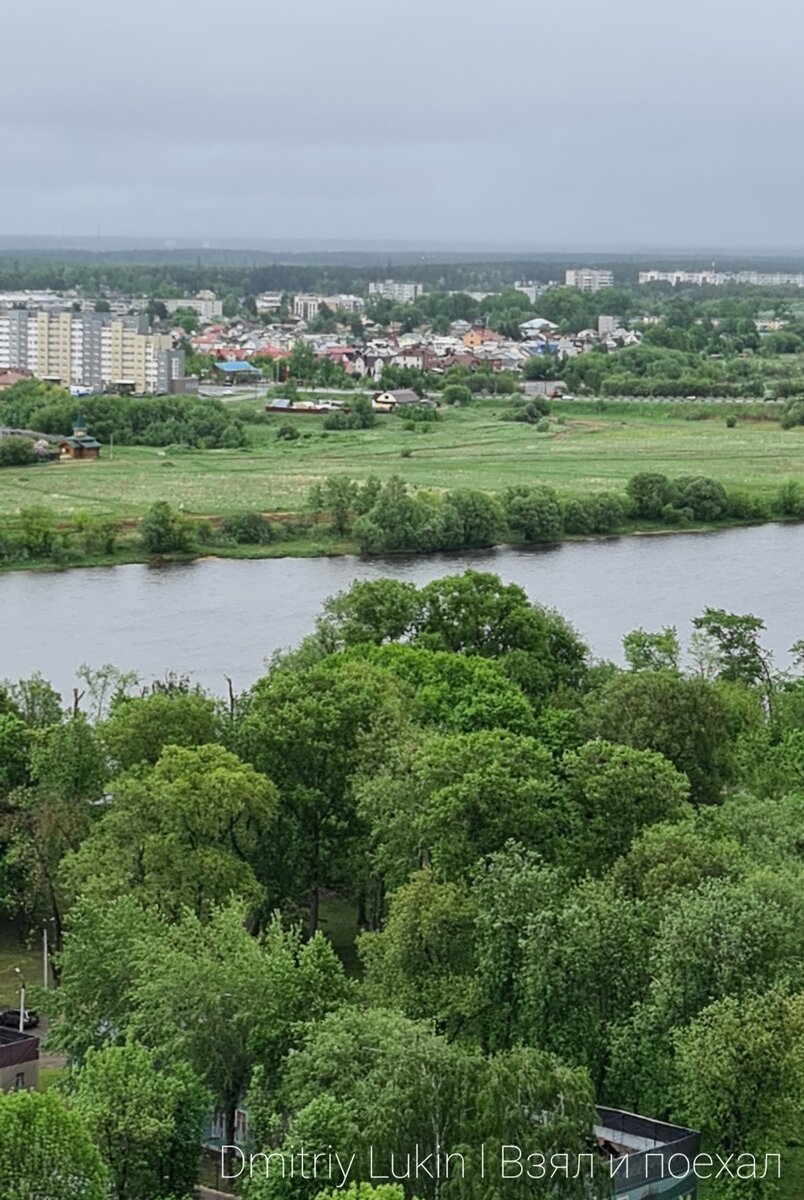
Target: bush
(793, 414)
(164, 531)
(457, 394)
(651, 494)
(287, 432)
(337, 421)
(531, 413)
(609, 512)
(543, 426)
(789, 501)
(706, 498)
(594, 514)
(99, 535)
(731, 422)
(744, 507)
(37, 536)
(420, 413)
(16, 452)
(248, 529)
(534, 513)
(471, 519)
(360, 416)
(579, 517)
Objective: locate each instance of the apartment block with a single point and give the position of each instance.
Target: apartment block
(91, 350)
(206, 304)
(306, 307)
(399, 293)
(345, 303)
(588, 279)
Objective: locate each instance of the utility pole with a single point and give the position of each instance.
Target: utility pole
(22, 999)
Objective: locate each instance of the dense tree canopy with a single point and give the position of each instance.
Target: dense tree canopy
(436, 870)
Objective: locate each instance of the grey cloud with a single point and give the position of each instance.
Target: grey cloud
(580, 123)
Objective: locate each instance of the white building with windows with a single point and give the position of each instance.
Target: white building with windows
(399, 293)
(306, 307)
(588, 279)
(206, 304)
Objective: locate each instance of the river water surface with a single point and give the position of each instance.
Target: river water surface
(221, 617)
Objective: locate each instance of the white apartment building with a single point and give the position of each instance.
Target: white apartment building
(399, 293)
(269, 302)
(345, 303)
(719, 278)
(676, 277)
(205, 304)
(588, 279)
(92, 350)
(306, 307)
(529, 289)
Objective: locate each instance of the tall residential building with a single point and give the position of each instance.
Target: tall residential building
(92, 350)
(588, 279)
(306, 307)
(529, 289)
(399, 293)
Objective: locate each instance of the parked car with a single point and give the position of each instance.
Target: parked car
(11, 1018)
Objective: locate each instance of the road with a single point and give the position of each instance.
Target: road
(257, 390)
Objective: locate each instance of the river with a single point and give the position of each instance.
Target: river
(213, 618)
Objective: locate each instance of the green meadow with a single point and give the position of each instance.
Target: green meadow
(585, 450)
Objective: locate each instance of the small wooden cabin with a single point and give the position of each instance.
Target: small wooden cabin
(81, 444)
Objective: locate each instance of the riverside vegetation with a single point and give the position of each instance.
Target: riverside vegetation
(435, 869)
(343, 515)
(333, 484)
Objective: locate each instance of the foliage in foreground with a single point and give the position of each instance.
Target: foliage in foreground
(572, 883)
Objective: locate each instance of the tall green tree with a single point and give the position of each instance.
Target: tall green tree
(686, 720)
(304, 730)
(186, 832)
(422, 961)
(139, 727)
(46, 1150)
(740, 1079)
(617, 791)
(146, 1118)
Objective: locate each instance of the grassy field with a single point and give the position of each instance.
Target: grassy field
(471, 447)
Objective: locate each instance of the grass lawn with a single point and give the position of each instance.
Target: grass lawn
(338, 920)
(13, 955)
(472, 447)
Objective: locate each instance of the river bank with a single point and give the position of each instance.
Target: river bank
(128, 554)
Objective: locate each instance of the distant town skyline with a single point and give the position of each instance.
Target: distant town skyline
(542, 127)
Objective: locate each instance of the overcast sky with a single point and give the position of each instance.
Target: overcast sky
(562, 124)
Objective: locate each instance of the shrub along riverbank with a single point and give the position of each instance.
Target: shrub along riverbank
(344, 516)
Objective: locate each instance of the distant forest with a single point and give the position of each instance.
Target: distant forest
(166, 272)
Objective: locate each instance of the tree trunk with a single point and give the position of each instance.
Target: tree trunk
(314, 905)
(229, 1132)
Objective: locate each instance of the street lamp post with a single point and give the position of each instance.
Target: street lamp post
(22, 999)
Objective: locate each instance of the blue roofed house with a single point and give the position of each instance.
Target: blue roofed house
(236, 370)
